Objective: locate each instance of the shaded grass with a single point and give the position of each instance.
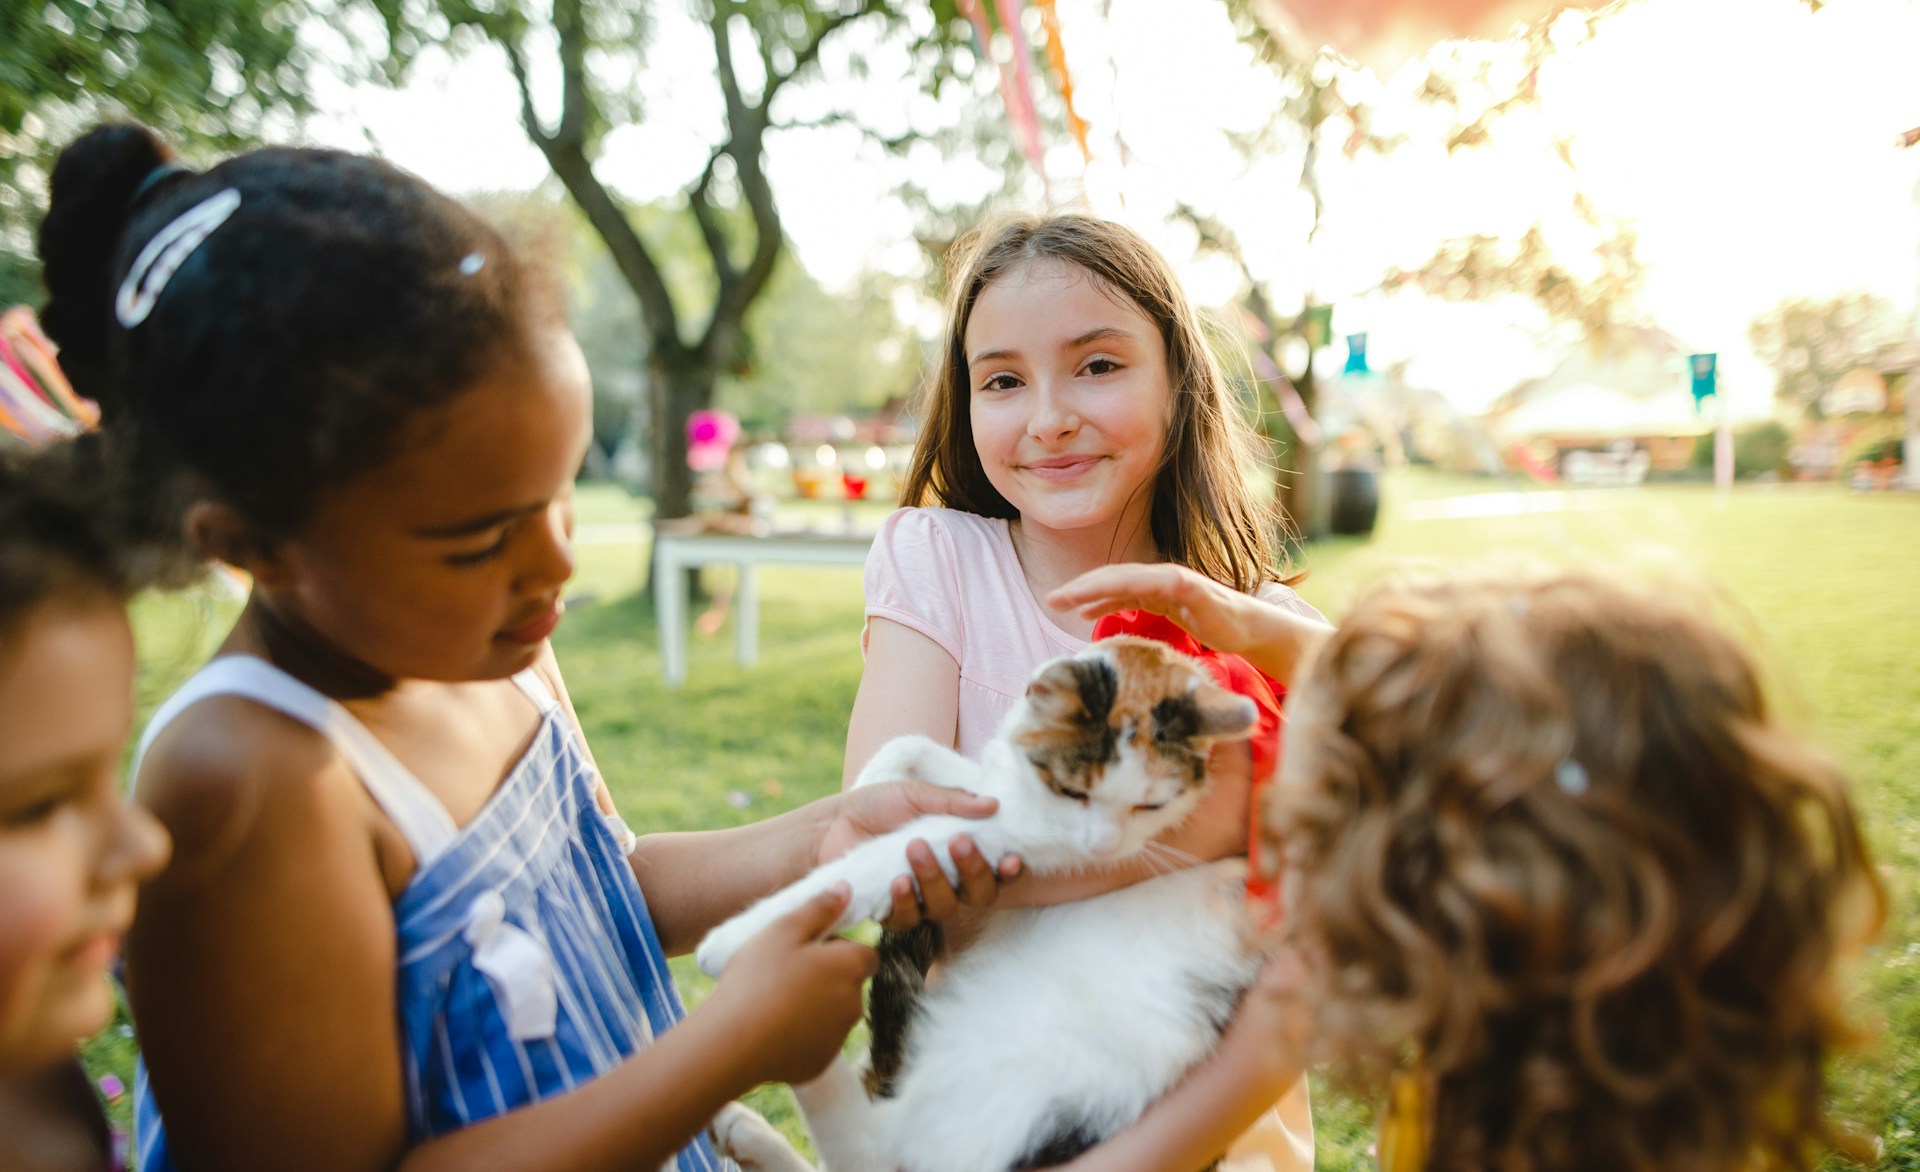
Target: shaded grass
(1825, 585)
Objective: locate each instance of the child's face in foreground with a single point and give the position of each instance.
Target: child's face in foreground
(1069, 398)
(72, 851)
(447, 562)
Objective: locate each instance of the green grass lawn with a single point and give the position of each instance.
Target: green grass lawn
(1827, 585)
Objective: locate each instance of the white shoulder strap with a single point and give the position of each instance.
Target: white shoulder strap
(536, 690)
(420, 816)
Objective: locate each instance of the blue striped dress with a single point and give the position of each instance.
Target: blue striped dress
(528, 963)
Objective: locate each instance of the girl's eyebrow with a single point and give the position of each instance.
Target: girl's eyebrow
(1094, 335)
(478, 524)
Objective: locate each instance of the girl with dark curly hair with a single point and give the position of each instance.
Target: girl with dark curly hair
(1555, 868)
(403, 927)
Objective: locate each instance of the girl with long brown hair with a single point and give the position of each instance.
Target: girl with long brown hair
(1075, 418)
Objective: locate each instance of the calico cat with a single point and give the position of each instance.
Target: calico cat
(1058, 1025)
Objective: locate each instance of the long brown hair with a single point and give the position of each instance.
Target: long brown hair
(1550, 837)
(1202, 515)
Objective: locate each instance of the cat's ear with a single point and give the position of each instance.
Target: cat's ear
(1223, 713)
(1073, 689)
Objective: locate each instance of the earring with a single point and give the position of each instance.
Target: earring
(1401, 1145)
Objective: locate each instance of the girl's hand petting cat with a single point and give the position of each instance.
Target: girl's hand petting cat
(1271, 638)
(792, 993)
(872, 810)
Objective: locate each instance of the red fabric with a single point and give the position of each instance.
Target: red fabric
(1237, 675)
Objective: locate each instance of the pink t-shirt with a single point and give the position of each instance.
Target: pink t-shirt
(954, 577)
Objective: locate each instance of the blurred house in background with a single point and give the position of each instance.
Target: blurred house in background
(1610, 413)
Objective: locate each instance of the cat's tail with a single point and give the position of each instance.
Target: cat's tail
(905, 958)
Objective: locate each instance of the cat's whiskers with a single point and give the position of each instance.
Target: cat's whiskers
(1171, 857)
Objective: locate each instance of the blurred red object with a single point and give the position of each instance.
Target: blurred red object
(1385, 33)
(854, 486)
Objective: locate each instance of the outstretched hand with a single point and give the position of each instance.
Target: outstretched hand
(1271, 638)
(871, 810)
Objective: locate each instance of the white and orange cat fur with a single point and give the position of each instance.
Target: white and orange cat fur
(1056, 1026)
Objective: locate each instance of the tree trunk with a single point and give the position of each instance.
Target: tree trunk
(682, 384)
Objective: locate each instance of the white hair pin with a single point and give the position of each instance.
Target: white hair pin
(166, 252)
(1571, 777)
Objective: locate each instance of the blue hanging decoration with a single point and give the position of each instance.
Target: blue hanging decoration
(1705, 377)
(1357, 355)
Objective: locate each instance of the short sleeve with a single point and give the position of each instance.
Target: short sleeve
(912, 578)
(1286, 598)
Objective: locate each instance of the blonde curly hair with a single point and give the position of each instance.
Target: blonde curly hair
(1547, 839)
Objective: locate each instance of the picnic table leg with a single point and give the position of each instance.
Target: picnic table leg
(670, 608)
(746, 616)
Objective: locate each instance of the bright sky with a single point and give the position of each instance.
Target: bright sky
(1750, 143)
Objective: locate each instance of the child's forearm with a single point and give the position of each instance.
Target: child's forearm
(695, 880)
(635, 1116)
(1194, 1123)
(1278, 640)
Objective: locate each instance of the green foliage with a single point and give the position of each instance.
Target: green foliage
(821, 352)
(1757, 448)
(1811, 343)
(210, 74)
(1880, 439)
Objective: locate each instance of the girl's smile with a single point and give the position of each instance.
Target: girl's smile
(1063, 467)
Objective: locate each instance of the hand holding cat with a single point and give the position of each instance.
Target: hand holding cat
(1271, 638)
(868, 811)
(792, 992)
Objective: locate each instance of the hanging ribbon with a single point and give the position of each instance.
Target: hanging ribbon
(1016, 91)
(24, 407)
(1057, 57)
(21, 329)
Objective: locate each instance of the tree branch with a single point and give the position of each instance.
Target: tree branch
(710, 231)
(529, 118)
(570, 24)
(808, 52)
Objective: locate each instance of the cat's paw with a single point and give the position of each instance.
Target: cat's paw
(743, 1136)
(902, 759)
(897, 760)
(718, 949)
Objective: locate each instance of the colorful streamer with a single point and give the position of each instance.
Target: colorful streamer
(21, 328)
(37, 403)
(1016, 91)
(1057, 57)
(1026, 119)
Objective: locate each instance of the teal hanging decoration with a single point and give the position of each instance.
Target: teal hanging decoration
(1705, 377)
(1357, 355)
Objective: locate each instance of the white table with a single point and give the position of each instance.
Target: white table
(674, 553)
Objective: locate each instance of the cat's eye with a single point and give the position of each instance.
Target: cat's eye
(1077, 795)
(1149, 807)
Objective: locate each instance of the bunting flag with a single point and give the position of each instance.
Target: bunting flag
(1356, 355)
(1057, 58)
(37, 404)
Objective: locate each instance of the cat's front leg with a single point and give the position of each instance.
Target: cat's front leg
(743, 1136)
(847, 1125)
(868, 869)
(918, 758)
